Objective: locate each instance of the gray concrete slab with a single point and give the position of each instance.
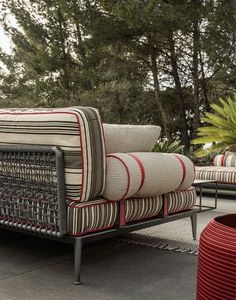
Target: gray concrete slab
(35, 269)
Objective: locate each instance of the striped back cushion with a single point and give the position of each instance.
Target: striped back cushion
(76, 130)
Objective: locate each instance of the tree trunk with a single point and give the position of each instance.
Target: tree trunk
(196, 44)
(154, 71)
(204, 82)
(179, 92)
(233, 4)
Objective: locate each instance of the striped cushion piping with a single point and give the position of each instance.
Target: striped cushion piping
(141, 169)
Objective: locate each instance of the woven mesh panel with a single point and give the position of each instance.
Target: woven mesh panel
(28, 191)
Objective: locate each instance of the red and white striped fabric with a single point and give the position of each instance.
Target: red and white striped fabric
(146, 174)
(217, 260)
(179, 201)
(220, 174)
(76, 130)
(101, 214)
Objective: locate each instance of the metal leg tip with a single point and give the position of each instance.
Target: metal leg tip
(77, 282)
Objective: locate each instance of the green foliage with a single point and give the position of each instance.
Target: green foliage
(222, 130)
(107, 54)
(164, 146)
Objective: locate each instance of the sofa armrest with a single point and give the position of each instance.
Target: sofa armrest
(32, 189)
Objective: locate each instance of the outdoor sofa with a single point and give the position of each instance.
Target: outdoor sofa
(66, 176)
(222, 170)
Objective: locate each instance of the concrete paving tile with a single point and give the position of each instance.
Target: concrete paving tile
(111, 270)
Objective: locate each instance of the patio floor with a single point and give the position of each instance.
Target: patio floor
(34, 268)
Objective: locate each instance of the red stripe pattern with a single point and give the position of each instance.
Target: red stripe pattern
(219, 160)
(183, 168)
(217, 260)
(101, 214)
(220, 174)
(141, 166)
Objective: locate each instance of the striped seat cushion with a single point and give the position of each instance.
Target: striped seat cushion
(221, 174)
(91, 216)
(178, 201)
(101, 214)
(142, 208)
(77, 131)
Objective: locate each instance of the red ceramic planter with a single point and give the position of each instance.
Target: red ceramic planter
(216, 277)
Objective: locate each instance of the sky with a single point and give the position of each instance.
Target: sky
(5, 42)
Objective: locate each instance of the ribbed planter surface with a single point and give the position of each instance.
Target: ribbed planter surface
(217, 260)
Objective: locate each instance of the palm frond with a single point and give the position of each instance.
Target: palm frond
(164, 146)
(222, 129)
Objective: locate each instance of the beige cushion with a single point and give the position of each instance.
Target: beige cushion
(219, 160)
(188, 172)
(130, 138)
(145, 174)
(230, 160)
(165, 173)
(123, 177)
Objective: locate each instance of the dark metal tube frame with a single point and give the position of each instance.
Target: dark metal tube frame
(60, 178)
(79, 241)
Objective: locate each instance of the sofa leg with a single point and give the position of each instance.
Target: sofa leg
(77, 259)
(194, 225)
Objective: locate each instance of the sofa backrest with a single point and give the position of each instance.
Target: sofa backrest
(76, 130)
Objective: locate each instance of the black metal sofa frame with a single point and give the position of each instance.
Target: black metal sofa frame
(32, 200)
